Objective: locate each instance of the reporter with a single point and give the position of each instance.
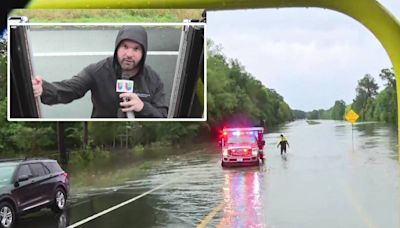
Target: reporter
(148, 99)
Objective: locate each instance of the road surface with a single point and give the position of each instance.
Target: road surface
(327, 179)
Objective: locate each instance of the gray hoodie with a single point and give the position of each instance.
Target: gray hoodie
(100, 78)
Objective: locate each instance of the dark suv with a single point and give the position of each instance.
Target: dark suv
(28, 185)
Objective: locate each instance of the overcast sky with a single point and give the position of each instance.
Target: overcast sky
(311, 56)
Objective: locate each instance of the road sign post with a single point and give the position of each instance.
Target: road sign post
(351, 117)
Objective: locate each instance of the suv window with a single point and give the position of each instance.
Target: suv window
(6, 173)
(24, 170)
(38, 169)
(53, 167)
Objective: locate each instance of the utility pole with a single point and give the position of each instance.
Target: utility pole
(85, 135)
(127, 134)
(61, 143)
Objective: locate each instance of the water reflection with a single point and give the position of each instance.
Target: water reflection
(242, 199)
(368, 128)
(45, 219)
(284, 156)
(378, 138)
(341, 129)
(284, 161)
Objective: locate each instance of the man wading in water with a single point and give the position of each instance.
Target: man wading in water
(282, 142)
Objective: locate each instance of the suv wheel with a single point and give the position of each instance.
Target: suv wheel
(59, 200)
(7, 215)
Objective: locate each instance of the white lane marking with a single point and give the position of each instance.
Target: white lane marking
(116, 206)
(97, 53)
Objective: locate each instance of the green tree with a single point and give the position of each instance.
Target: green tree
(298, 114)
(106, 133)
(390, 78)
(383, 110)
(337, 111)
(233, 91)
(368, 86)
(220, 99)
(386, 101)
(3, 68)
(313, 115)
(372, 105)
(366, 90)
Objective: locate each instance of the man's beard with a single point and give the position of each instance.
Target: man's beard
(128, 64)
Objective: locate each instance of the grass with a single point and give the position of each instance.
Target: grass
(100, 178)
(108, 15)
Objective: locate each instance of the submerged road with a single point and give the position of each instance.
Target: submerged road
(326, 180)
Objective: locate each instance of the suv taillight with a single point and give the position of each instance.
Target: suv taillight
(65, 174)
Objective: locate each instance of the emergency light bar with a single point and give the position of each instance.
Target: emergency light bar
(259, 129)
(236, 133)
(240, 131)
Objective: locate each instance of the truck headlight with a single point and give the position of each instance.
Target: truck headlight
(225, 152)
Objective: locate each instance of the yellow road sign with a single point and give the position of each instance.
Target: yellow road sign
(351, 116)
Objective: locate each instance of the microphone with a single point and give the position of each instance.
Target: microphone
(125, 86)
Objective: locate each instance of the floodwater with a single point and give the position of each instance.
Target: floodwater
(334, 175)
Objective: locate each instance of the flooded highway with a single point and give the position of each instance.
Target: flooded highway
(332, 176)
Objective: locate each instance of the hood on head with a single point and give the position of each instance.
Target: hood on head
(135, 33)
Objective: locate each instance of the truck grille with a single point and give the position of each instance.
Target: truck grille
(239, 152)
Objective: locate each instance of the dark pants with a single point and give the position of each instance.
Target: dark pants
(283, 149)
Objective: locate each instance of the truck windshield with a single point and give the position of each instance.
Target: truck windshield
(6, 173)
(241, 139)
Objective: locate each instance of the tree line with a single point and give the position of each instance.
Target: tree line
(232, 92)
(369, 104)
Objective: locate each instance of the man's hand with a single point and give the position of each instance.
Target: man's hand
(37, 86)
(131, 102)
